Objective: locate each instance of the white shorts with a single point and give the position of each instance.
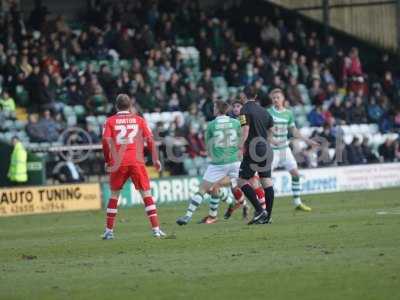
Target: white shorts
(215, 173)
(283, 158)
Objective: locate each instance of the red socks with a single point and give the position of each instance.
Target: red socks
(111, 212)
(261, 196)
(238, 194)
(151, 212)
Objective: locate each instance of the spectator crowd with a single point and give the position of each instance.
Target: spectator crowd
(47, 63)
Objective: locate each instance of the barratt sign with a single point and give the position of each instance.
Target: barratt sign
(49, 199)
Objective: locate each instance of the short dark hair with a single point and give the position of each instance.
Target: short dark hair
(249, 92)
(123, 102)
(236, 101)
(222, 106)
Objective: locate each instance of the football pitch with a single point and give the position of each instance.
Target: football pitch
(347, 248)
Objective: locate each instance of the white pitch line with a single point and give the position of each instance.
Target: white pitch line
(384, 212)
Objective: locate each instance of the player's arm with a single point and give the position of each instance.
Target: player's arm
(297, 134)
(105, 140)
(270, 126)
(271, 139)
(208, 138)
(151, 145)
(244, 123)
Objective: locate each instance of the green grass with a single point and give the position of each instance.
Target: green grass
(342, 250)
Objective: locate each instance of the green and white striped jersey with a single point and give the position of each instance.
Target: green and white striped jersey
(222, 139)
(283, 120)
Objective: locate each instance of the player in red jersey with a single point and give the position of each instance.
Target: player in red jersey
(125, 136)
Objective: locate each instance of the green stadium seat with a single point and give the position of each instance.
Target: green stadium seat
(91, 120)
(72, 120)
(22, 97)
(79, 110)
(56, 144)
(189, 166)
(32, 146)
(9, 135)
(44, 145)
(68, 110)
(7, 125)
(101, 119)
(307, 109)
(19, 125)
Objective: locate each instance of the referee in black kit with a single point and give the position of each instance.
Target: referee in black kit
(256, 125)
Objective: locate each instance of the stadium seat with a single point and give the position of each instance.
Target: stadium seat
(91, 120)
(33, 146)
(72, 120)
(101, 119)
(306, 131)
(155, 117)
(307, 109)
(79, 110)
(167, 117)
(9, 135)
(355, 128)
(56, 144)
(377, 139)
(44, 145)
(68, 111)
(346, 129)
(297, 110)
(7, 125)
(301, 121)
(331, 153)
(364, 128)
(146, 116)
(19, 125)
(348, 138)
(373, 128)
(189, 167)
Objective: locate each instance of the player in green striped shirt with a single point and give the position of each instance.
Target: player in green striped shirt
(283, 156)
(222, 140)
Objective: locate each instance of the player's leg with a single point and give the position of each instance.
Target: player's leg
(117, 181)
(296, 190)
(255, 182)
(213, 175)
(246, 172)
(291, 165)
(268, 187)
(267, 184)
(140, 179)
(112, 208)
(240, 201)
(151, 212)
(233, 174)
(211, 218)
(194, 202)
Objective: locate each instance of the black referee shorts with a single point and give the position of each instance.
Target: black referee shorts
(259, 160)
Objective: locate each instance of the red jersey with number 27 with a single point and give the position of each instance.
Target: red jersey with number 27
(124, 136)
